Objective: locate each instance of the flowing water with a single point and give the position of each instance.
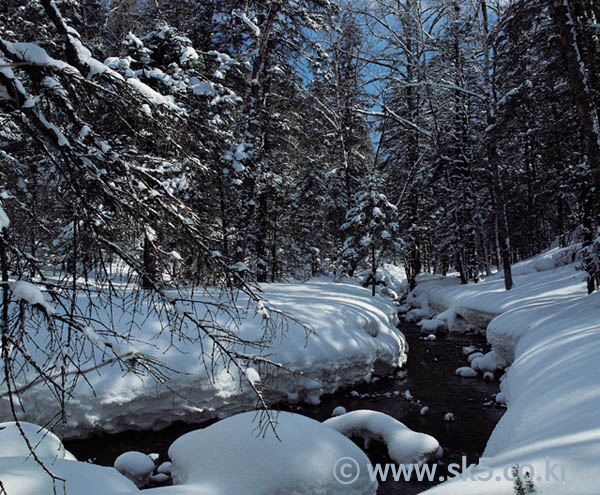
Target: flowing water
(429, 377)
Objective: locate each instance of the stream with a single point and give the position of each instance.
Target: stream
(429, 376)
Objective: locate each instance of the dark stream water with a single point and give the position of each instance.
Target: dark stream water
(430, 378)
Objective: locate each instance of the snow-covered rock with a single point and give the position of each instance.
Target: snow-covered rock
(424, 411)
(164, 468)
(235, 456)
(404, 445)
(487, 362)
(449, 417)
(136, 466)
(338, 411)
(466, 372)
(475, 355)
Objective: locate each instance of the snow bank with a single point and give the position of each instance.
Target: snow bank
(234, 456)
(355, 338)
(21, 474)
(24, 476)
(480, 303)
(548, 328)
(405, 446)
(43, 442)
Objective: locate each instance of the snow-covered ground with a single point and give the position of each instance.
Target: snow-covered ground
(243, 454)
(547, 328)
(354, 338)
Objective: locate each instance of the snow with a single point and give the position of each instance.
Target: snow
(153, 96)
(236, 456)
(24, 476)
(354, 339)
(252, 376)
(31, 293)
(404, 445)
(35, 54)
(136, 466)
(188, 54)
(21, 474)
(488, 376)
(4, 220)
(44, 442)
(424, 411)
(432, 325)
(449, 417)
(164, 468)
(474, 355)
(488, 362)
(466, 372)
(338, 411)
(255, 29)
(202, 88)
(540, 280)
(547, 329)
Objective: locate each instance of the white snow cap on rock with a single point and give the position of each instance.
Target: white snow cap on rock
(449, 417)
(487, 362)
(405, 446)
(338, 411)
(475, 355)
(136, 466)
(466, 372)
(238, 455)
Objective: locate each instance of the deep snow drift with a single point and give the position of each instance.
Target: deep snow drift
(354, 338)
(547, 329)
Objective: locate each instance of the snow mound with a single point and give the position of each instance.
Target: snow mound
(24, 476)
(234, 456)
(136, 466)
(44, 442)
(405, 446)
